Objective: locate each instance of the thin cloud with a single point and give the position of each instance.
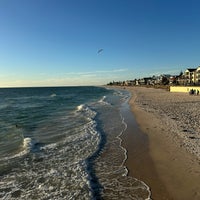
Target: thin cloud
(97, 72)
(120, 70)
(88, 75)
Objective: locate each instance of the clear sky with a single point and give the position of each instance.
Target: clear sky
(56, 42)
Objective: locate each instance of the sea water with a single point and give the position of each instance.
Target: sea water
(64, 143)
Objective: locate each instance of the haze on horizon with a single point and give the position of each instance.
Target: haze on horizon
(57, 43)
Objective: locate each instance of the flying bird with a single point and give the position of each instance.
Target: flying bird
(99, 51)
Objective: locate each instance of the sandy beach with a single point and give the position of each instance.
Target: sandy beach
(165, 151)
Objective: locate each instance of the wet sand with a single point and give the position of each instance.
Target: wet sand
(139, 163)
(158, 153)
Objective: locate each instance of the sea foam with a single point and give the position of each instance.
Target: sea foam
(23, 150)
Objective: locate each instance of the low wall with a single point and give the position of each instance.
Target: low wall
(183, 88)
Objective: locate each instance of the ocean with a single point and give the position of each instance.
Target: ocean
(64, 143)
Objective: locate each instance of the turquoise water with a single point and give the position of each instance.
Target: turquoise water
(64, 143)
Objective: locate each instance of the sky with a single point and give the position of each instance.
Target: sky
(56, 42)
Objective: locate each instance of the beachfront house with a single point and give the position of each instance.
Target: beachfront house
(173, 80)
(198, 75)
(181, 80)
(130, 82)
(190, 75)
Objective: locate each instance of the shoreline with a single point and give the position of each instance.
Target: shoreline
(157, 156)
(136, 143)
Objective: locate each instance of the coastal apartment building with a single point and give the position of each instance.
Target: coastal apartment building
(198, 74)
(192, 75)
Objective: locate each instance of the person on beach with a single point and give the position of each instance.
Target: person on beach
(191, 92)
(194, 92)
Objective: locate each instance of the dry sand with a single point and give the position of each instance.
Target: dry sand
(166, 156)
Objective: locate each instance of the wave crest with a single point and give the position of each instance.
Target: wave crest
(23, 150)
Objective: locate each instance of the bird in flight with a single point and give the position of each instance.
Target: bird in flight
(99, 51)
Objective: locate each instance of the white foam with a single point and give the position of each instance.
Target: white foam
(102, 99)
(80, 107)
(87, 112)
(53, 95)
(27, 143)
(49, 146)
(124, 150)
(126, 157)
(26, 147)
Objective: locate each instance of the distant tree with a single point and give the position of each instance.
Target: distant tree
(165, 80)
(110, 83)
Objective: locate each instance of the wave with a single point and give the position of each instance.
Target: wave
(103, 101)
(53, 95)
(87, 111)
(23, 150)
(49, 146)
(80, 107)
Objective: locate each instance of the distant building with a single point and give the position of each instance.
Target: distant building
(130, 82)
(144, 81)
(173, 80)
(190, 75)
(198, 75)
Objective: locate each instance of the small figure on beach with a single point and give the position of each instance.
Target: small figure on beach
(191, 92)
(194, 92)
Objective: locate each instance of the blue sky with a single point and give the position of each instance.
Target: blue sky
(56, 42)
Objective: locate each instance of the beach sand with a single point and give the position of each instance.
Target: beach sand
(164, 149)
